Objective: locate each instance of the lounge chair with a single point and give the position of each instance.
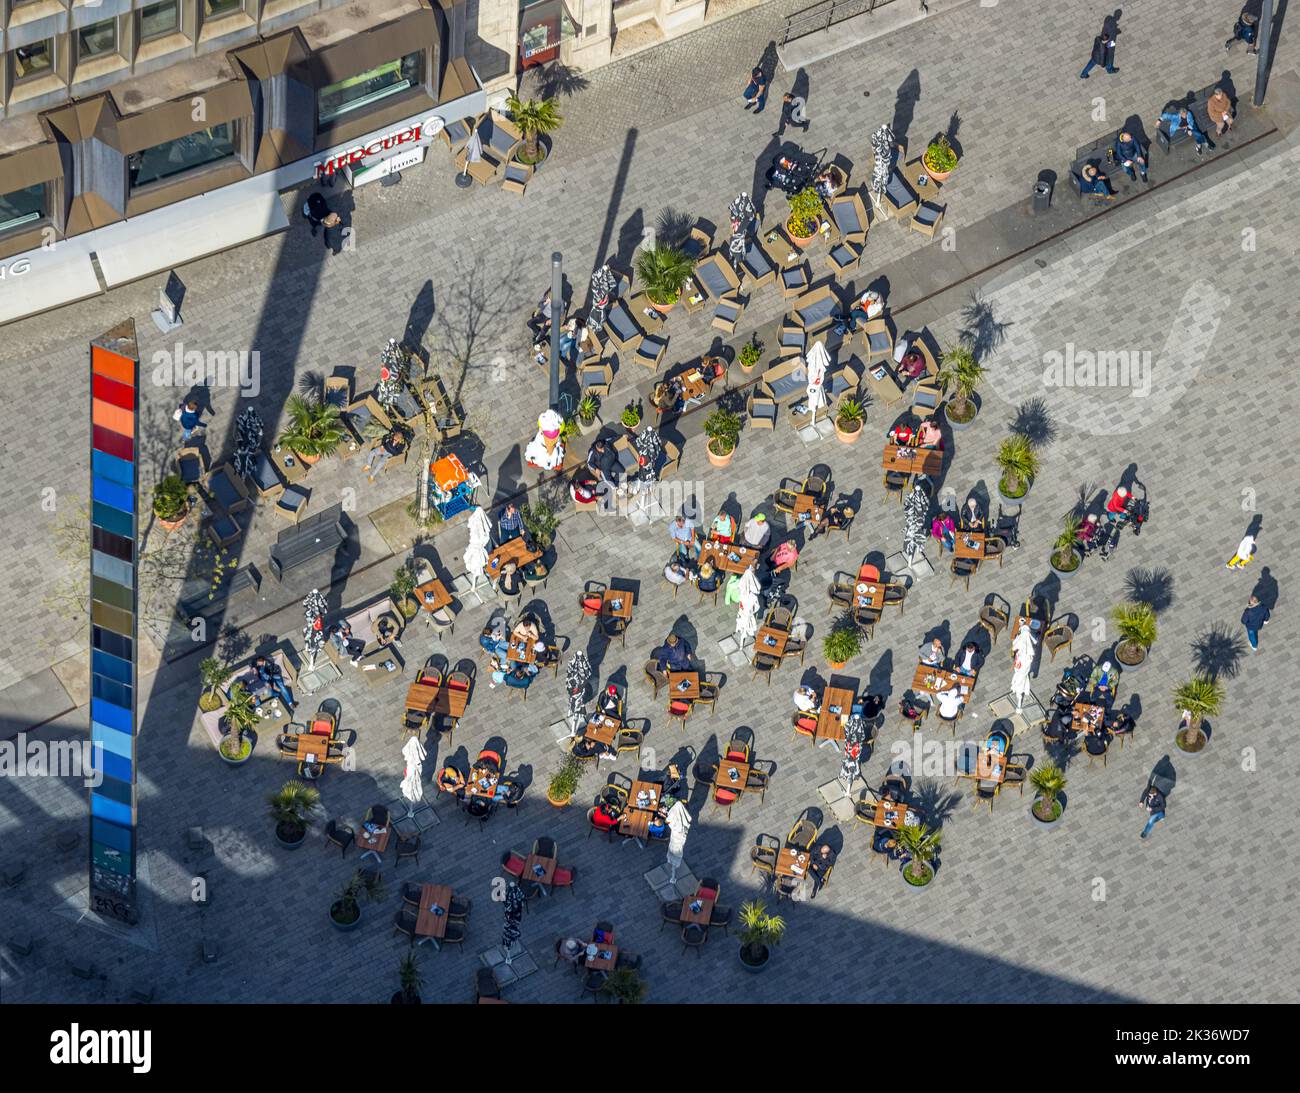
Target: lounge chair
(814, 310)
(226, 490)
(622, 328)
(516, 177)
(899, 198)
(727, 314)
(715, 275)
(852, 221)
(927, 219)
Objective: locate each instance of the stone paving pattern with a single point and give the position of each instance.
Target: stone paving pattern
(1191, 914)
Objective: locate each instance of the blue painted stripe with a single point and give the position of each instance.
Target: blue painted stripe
(108, 665)
(120, 743)
(115, 717)
(112, 468)
(119, 838)
(115, 790)
(111, 519)
(112, 569)
(120, 497)
(116, 693)
(115, 766)
(105, 808)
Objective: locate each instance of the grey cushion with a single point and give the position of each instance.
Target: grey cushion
(191, 468)
(264, 476)
(650, 348)
(225, 526)
(846, 217)
(838, 382)
(817, 312)
(361, 417)
(406, 406)
(714, 280)
(224, 491)
(593, 376)
(757, 262)
(516, 172)
(727, 312)
(499, 141)
(622, 323)
(925, 398)
(843, 255)
(788, 385)
(292, 499)
(927, 213)
(898, 191)
(627, 456)
(793, 339)
(793, 277)
(763, 409)
(879, 342)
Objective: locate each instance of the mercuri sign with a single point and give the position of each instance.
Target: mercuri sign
(357, 155)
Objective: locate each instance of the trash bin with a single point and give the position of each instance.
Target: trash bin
(1042, 196)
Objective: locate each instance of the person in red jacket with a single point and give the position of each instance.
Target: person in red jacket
(1117, 503)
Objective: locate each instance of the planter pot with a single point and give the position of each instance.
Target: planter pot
(754, 967)
(308, 460)
(847, 436)
(172, 525)
(1063, 573)
(799, 241)
(345, 926)
(836, 665)
(1012, 500)
(1205, 743)
(630, 429)
(290, 843)
(718, 460)
(588, 427)
(747, 369)
(543, 152)
(663, 309)
(559, 802)
(1124, 648)
(960, 425)
(1039, 821)
(409, 608)
(938, 176)
(911, 884)
(236, 762)
(208, 703)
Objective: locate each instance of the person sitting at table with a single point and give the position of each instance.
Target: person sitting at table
(706, 580)
(609, 703)
(340, 635)
(516, 673)
(1104, 680)
(674, 655)
(901, 435)
(971, 518)
(819, 868)
(575, 333)
(450, 780)
(510, 525)
(929, 435)
(932, 653)
(912, 364)
(682, 533)
(667, 395)
(604, 462)
(269, 676)
(806, 700)
(528, 630)
(968, 664)
(1093, 181)
(493, 640)
(869, 305)
(674, 785)
(511, 581)
(1096, 739)
(782, 558)
(756, 531)
(675, 572)
(723, 528)
(943, 529)
(1121, 723)
(605, 815)
(834, 517)
(950, 702)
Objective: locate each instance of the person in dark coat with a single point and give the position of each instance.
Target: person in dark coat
(316, 210)
(1255, 616)
(1103, 51)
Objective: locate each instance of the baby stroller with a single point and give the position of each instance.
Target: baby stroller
(791, 173)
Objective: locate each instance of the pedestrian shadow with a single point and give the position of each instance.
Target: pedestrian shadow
(1266, 589)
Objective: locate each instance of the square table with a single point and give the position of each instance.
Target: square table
(374, 844)
(893, 814)
(806, 508)
(969, 544)
(521, 650)
(635, 823)
(474, 786)
(601, 962)
(312, 747)
(1086, 717)
(869, 595)
(830, 724)
(371, 666)
(904, 459)
(914, 172)
(720, 555)
(514, 550)
(451, 701)
(932, 679)
(792, 862)
(1035, 628)
(990, 766)
(428, 924)
(690, 691)
(771, 641)
(535, 862)
(653, 792)
(436, 589)
(616, 603)
(292, 469)
(269, 718)
(602, 729)
(694, 385)
(722, 779)
(421, 697)
(701, 917)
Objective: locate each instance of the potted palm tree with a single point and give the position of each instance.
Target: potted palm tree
(750, 354)
(402, 590)
(1018, 461)
(959, 370)
(625, 986)
(564, 782)
(1200, 697)
(240, 718)
(171, 502)
(345, 911)
(315, 428)
(535, 118)
(1136, 623)
(759, 932)
(806, 212)
(843, 643)
(939, 159)
(663, 270)
(1065, 557)
(722, 427)
(291, 806)
(213, 672)
(408, 975)
(588, 407)
(849, 419)
(921, 843)
(1048, 781)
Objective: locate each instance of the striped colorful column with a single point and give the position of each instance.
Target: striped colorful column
(114, 404)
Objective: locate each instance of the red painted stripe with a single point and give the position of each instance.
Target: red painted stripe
(119, 394)
(105, 440)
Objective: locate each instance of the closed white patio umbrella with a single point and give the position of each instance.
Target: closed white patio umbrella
(819, 362)
(679, 826)
(750, 597)
(413, 780)
(480, 534)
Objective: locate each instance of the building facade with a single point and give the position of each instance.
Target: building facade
(137, 135)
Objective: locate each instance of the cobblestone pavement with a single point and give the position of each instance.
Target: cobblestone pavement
(1082, 912)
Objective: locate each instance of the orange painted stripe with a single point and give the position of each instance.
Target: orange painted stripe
(111, 365)
(112, 417)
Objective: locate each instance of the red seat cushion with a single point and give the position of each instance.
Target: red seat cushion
(806, 725)
(591, 605)
(515, 866)
(707, 893)
(679, 707)
(561, 877)
(322, 727)
(725, 796)
(736, 755)
(457, 685)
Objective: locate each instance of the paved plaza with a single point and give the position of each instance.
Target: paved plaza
(1198, 272)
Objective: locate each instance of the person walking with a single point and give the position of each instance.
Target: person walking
(1245, 552)
(1253, 618)
(755, 93)
(1154, 802)
(1245, 30)
(793, 112)
(190, 416)
(1103, 51)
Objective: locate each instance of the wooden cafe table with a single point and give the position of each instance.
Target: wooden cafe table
(792, 862)
(521, 650)
(1086, 716)
(474, 786)
(723, 780)
(904, 459)
(690, 916)
(606, 957)
(427, 922)
(807, 510)
(451, 701)
(616, 603)
(535, 862)
(602, 729)
(869, 595)
(421, 697)
(635, 821)
(894, 814)
(1035, 627)
(369, 843)
(312, 747)
(969, 544)
(436, 589)
(770, 641)
(515, 550)
(932, 679)
(837, 704)
(684, 685)
(729, 557)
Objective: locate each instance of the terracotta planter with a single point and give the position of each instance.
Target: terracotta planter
(172, 525)
(308, 460)
(845, 436)
(663, 309)
(836, 665)
(938, 176)
(799, 241)
(718, 460)
(560, 803)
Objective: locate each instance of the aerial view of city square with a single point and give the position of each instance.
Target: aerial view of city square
(711, 502)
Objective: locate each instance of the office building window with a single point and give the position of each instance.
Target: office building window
(175, 157)
(33, 60)
(97, 40)
(159, 19)
(215, 9)
(21, 207)
(368, 88)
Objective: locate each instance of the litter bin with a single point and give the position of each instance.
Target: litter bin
(1042, 196)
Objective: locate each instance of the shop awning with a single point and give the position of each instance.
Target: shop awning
(185, 231)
